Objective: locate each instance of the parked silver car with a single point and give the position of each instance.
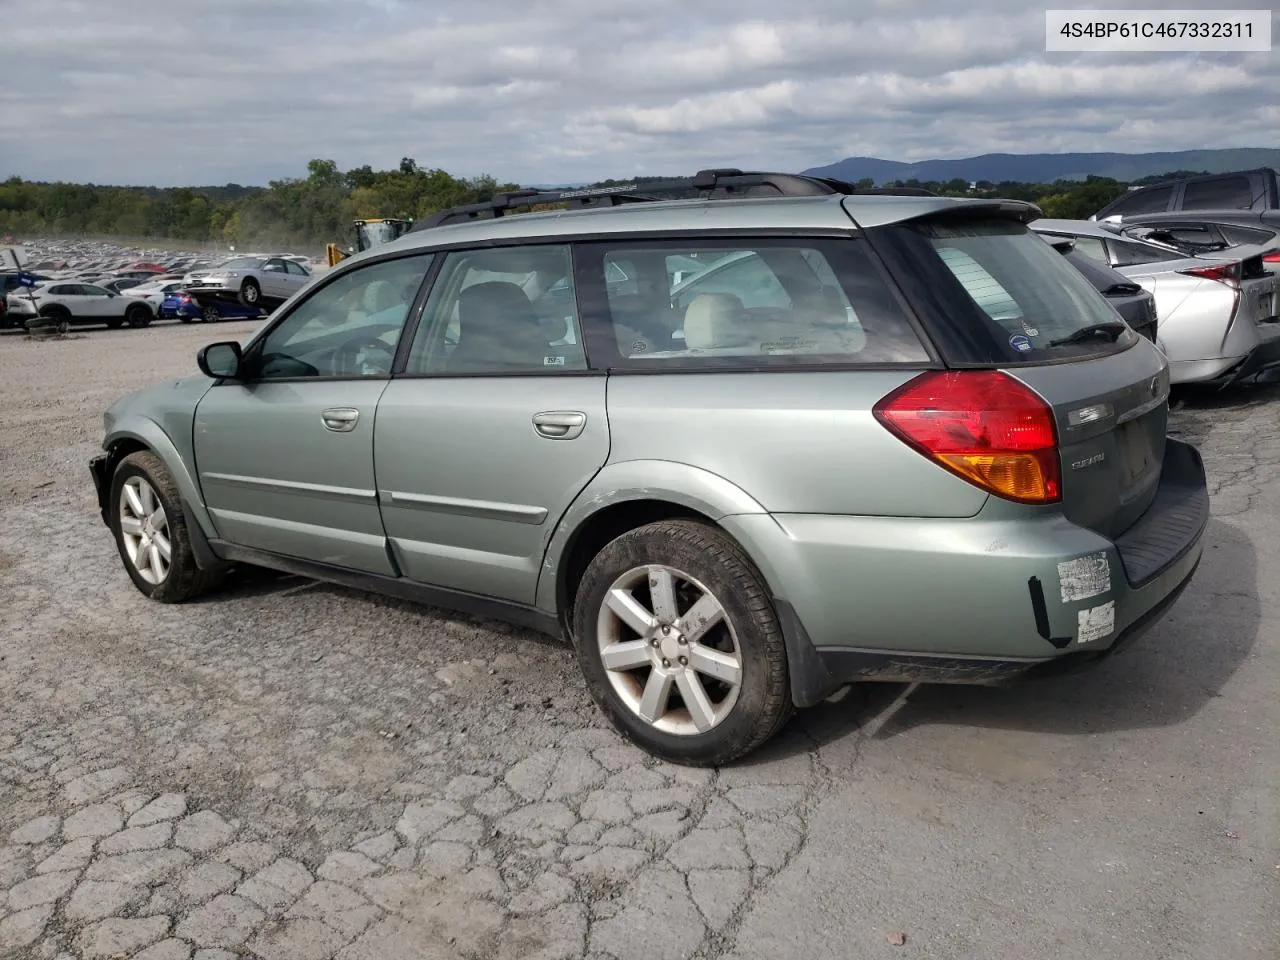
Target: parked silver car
(253, 280)
(1217, 317)
(893, 438)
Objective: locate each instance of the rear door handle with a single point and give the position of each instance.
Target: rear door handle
(340, 419)
(559, 424)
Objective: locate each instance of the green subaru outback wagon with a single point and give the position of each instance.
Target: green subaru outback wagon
(742, 440)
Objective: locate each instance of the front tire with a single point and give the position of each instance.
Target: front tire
(150, 530)
(679, 643)
(250, 292)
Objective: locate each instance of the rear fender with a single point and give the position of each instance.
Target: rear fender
(678, 483)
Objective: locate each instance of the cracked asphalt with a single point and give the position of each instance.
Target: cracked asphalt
(292, 771)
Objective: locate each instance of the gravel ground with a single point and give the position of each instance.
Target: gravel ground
(294, 771)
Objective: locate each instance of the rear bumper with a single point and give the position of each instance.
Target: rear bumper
(970, 600)
(1261, 360)
(1264, 359)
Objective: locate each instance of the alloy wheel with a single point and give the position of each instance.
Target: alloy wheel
(144, 528)
(669, 650)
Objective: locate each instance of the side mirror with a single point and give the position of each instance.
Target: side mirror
(220, 360)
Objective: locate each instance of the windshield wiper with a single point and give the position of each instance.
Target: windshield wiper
(1112, 330)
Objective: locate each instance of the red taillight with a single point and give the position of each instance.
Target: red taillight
(1272, 257)
(184, 299)
(983, 426)
(1228, 273)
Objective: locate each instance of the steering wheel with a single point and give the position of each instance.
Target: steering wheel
(364, 356)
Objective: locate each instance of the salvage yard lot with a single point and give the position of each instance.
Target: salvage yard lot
(292, 770)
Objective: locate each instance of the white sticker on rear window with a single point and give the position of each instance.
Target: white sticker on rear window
(1084, 577)
(1096, 622)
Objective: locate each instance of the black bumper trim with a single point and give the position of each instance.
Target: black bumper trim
(1264, 358)
(98, 468)
(1174, 522)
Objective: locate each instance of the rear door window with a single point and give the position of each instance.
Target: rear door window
(743, 303)
(994, 292)
(1225, 193)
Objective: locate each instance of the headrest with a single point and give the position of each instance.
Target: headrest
(493, 307)
(715, 320)
(380, 295)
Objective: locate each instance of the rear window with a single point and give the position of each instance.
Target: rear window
(747, 303)
(997, 293)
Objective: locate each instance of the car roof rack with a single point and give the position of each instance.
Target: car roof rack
(715, 184)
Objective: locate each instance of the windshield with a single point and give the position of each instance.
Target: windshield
(999, 294)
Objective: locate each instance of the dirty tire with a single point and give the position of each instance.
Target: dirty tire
(717, 562)
(185, 579)
(250, 292)
(56, 316)
(138, 316)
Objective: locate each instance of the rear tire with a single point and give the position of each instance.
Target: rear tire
(138, 316)
(59, 317)
(210, 314)
(734, 670)
(146, 518)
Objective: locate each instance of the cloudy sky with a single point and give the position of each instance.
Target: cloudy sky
(173, 92)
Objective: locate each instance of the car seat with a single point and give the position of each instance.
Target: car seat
(715, 321)
(497, 331)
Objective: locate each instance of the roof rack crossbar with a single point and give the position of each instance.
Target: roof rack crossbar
(714, 184)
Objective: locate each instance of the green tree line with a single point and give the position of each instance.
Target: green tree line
(317, 209)
(307, 211)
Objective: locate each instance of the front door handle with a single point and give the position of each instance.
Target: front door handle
(559, 424)
(340, 419)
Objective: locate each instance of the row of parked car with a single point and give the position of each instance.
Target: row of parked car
(239, 287)
(1193, 265)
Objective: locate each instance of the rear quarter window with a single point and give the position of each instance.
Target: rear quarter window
(742, 303)
(992, 292)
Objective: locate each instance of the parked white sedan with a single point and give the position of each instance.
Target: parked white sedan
(67, 303)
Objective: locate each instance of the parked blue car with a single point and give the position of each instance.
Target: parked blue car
(185, 307)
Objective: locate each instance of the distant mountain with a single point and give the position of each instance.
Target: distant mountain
(1047, 167)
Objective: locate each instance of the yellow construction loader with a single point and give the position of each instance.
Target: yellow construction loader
(368, 233)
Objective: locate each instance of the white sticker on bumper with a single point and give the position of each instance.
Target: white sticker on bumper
(1096, 622)
(1084, 577)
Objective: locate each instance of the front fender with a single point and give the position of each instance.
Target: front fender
(151, 435)
(679, 483)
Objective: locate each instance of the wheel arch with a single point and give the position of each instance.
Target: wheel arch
(622, 497)
(139, 434)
